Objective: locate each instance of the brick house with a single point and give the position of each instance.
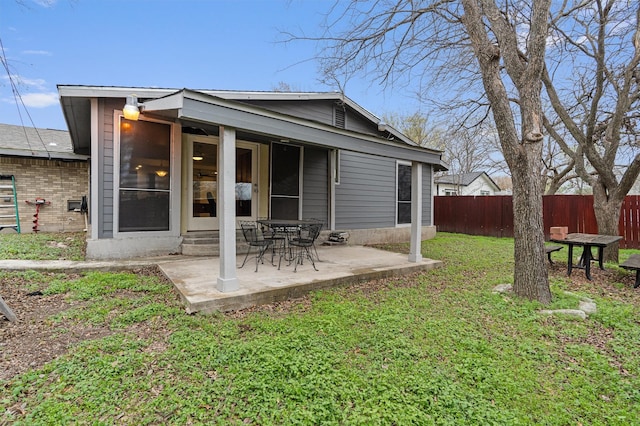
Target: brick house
(44, 165)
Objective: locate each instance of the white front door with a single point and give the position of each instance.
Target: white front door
(202, 180)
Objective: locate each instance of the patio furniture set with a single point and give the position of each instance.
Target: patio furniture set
(287, 239)
(587, 241)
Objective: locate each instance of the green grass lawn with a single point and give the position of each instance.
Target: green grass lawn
(42, 246)
(438, 348)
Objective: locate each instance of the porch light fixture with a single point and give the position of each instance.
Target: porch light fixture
(382, 126)
(198, 157)
(131, 110)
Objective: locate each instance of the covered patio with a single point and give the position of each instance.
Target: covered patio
(338, 266)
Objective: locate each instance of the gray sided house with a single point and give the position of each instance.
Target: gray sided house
(199, 161)
(44, 166)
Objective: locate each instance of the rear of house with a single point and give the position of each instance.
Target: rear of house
(197, 162)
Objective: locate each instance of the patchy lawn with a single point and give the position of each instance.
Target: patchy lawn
(42, 246)
(432, 348)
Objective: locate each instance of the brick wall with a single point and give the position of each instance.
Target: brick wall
(55, 181)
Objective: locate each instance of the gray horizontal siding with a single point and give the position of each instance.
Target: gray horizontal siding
(315, 110)
(316, 184)
(357, 123)
(427, 171)
(106, 158)
(321, 111)
(365, 197)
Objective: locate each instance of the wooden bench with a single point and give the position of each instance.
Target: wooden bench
(633, 263)
(551, 249)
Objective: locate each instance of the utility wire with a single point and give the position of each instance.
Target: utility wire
(16, 97)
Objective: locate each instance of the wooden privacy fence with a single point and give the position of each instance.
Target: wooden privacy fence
(493, 215)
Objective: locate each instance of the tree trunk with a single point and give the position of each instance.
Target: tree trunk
(607, 211)
(530, 268)
(522, 148)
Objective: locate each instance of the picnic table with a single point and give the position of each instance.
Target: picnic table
(587, 241)
(633, 264)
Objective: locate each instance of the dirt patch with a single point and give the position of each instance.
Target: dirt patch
(35, 339)
(613, 284)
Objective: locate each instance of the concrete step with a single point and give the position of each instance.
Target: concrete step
(207, 243)
(201, 249)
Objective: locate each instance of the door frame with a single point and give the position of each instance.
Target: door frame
(212, 223)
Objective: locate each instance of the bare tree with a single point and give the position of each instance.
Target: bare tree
(472, 149)
(592, 81)
(558, 167)
(499, 44)
(418, 127)
(465, 149)
(504, 182)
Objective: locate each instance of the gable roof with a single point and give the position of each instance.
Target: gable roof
(19, 141)
(464, 179)
(230, 105)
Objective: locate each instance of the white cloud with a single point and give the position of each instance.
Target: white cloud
(40, 100)
(37, 52)
(37, 83)
(28, 83)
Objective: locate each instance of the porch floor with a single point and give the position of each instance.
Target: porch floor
(196, 278)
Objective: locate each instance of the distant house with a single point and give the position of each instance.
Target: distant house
(44, 166)
(170, 165)
(475, 183)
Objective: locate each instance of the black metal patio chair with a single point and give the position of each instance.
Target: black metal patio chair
(254, 238)
(315, 250)
(279, 238)
(304, 243)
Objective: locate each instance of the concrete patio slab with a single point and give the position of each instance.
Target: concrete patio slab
(196, 278)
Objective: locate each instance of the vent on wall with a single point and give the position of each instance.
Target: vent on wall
(339, 116)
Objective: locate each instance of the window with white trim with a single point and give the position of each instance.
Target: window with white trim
(403, 184)
(145, 176)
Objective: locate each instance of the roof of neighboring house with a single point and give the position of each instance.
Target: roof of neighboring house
(22, 141)
(464, 179)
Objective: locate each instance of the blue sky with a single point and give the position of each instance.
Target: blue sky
(205, 44)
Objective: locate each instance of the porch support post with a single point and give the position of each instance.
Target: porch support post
(227, 280)
(415, 249)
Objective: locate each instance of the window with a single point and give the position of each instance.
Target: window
(285, 181)
(145, 175)
(485, 193)
(404, 193)
(450, 192)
